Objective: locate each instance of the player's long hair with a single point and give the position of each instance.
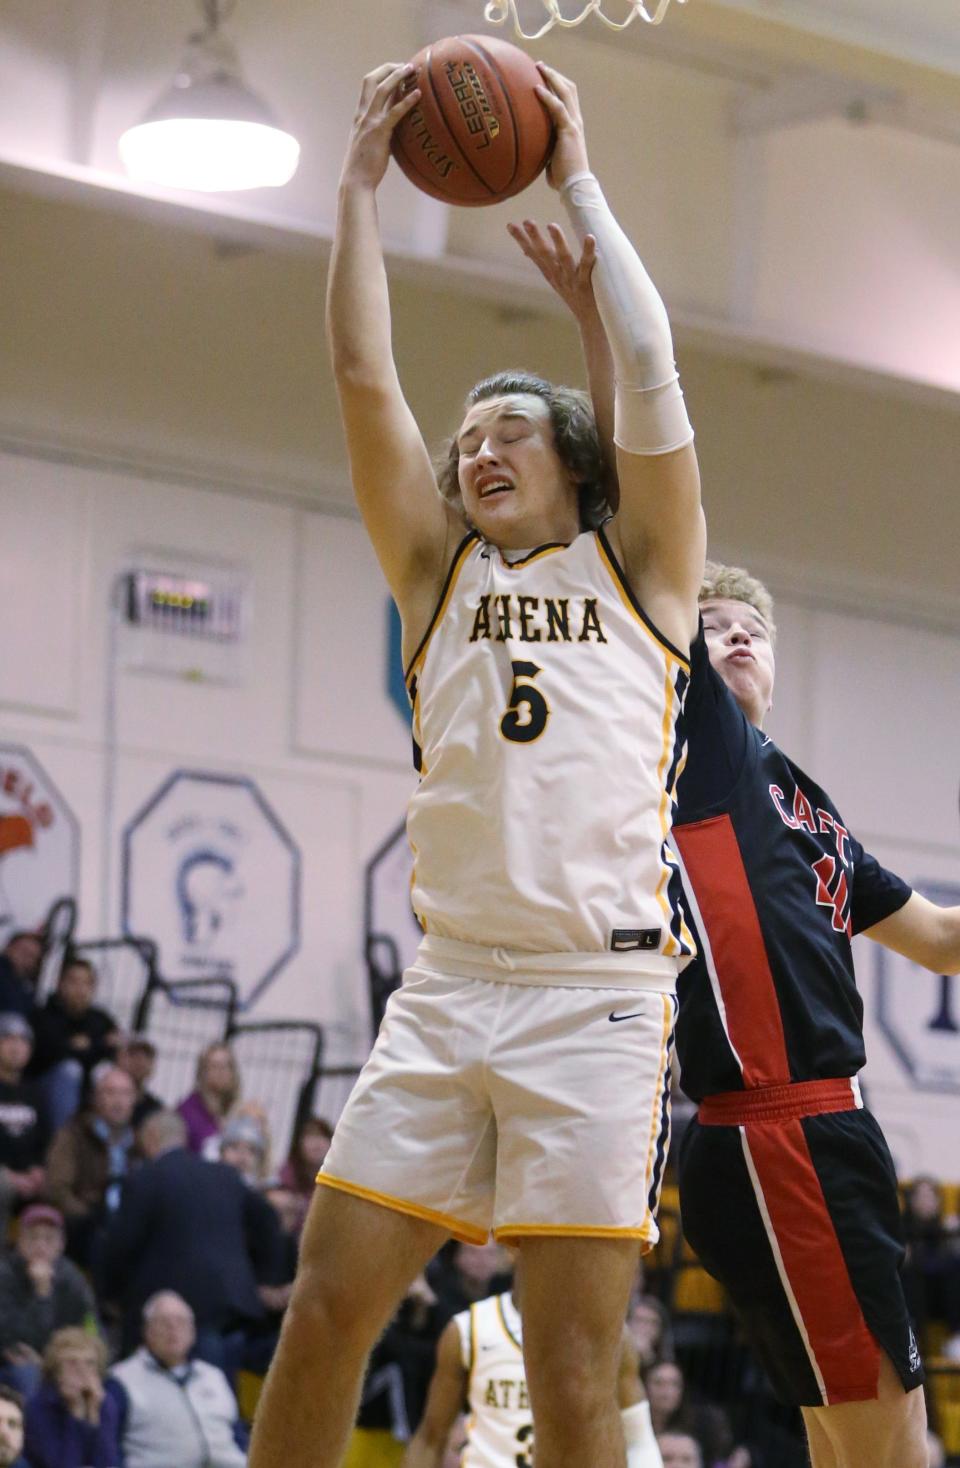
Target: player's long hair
(575, 439)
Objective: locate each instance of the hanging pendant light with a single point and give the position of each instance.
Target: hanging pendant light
(209, 131)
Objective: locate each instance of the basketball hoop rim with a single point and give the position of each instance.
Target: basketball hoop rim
(499, 12)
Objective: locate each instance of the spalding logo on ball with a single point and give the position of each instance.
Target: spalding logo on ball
(479, 133)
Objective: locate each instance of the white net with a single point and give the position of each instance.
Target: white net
(498, 12)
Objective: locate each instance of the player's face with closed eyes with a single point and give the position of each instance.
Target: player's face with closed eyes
(741, 650)
(516, 489)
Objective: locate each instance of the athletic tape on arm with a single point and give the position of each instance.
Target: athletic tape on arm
(642, 1448)
(650, 417)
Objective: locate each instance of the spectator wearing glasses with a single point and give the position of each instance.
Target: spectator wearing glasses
(89, 1159)
(175, 1410)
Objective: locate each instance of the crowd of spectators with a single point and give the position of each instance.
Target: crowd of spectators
(147, 1257)
(146, 1254)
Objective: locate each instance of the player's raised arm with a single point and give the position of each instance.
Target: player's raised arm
(571, 279)
(659, 524)
(393, 479)
(923, 932)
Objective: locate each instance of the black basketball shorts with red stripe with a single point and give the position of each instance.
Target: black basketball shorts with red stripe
(799, 1220)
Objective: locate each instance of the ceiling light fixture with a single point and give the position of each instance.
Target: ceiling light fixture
(209, 131)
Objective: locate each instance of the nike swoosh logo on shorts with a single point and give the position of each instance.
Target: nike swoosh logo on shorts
(613, 1018)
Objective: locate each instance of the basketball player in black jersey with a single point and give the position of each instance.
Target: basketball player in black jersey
(788, 1191)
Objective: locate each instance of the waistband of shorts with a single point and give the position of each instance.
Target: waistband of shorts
(574, 970)
(780, 1103)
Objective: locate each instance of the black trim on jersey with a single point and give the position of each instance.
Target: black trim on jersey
(548, 545)
(455, 561)
(651, 627)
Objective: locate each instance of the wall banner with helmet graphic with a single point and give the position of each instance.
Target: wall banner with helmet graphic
(39, 842)
(212, 876)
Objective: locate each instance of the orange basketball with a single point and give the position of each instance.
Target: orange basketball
(479, 132)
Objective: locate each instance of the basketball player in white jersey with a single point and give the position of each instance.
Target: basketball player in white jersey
(480, 1364)
(519, 1082)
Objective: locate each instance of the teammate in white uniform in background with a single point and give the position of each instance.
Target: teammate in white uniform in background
(520, 1080)
(480, 1367)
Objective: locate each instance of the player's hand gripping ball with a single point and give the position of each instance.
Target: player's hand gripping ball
(479, 133)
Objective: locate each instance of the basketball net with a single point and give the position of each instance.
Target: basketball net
(497, 12)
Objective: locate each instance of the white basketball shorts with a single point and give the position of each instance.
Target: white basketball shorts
(517, 1093)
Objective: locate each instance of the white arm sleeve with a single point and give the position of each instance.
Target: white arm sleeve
(650, 417)
(642, 1449)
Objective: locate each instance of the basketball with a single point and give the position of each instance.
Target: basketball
(479, 133)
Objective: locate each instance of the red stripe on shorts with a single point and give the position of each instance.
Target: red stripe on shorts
(839, 1341)
(711, 855)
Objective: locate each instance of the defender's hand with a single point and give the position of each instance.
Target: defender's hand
(384, 100)
(559, 95)
(570, 278)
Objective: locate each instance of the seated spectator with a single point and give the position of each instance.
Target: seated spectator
(176, 1411)
(288, 1207)
(214, 1096)
(679, 1450)
(19, 971)
(11, 1429)
(73, 1420)
(672, 1412)
(310, 1145)
(196, 1228)
(648, 1321)
(138, 1057)
(23, 1130)
(243, 1146)
(40, 1292)
(931, 1273)
(88, 1161)
(463, 1273)
(400, 1367)
(72, 1037)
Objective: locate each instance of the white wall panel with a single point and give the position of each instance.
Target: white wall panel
(887, 707)
(858, 248)
(43, 553)
(342, 707)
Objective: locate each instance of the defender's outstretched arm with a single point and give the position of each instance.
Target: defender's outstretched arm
(923, 932)
(659, 524)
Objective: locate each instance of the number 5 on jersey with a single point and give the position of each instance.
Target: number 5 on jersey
(527, 711)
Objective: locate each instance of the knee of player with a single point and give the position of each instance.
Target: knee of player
(322, 1305)
(570, 1383)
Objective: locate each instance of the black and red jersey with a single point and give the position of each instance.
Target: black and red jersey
(777, 885)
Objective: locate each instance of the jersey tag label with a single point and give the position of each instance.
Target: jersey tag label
(622, 940)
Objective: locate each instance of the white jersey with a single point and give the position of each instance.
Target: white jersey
(545, 719)
(500, 1424)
